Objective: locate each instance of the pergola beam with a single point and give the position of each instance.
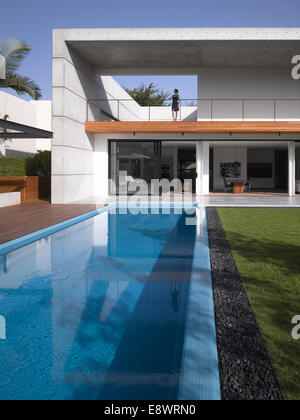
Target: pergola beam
(22, 131)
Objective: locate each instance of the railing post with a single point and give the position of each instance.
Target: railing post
(243, 110)
(275, 110)
(87, 110)
(119, 109)
(211, 110)
(149, 114)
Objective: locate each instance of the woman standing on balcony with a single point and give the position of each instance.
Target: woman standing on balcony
(175, 104)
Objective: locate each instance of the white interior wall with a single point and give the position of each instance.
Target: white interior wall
(262, 156)
(227, 155)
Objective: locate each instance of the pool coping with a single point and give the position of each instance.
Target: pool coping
(245, 366)
(200, 378)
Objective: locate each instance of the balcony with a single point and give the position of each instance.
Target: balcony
(206, 116)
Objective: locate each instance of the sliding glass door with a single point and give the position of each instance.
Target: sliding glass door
(131, 161)
(139, 160)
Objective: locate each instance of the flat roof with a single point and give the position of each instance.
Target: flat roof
(181, 50)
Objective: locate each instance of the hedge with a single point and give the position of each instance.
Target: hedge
(12, 166)
(39, 165)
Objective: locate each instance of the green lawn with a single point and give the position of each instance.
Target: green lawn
(266, 248)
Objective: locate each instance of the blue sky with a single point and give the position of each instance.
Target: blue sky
(34, 20)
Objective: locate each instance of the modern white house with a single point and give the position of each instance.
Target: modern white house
(244, 126)
(35, 114)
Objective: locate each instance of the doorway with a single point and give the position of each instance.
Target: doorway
(148, 160)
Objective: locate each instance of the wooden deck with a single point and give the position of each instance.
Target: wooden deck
(194, 127)
(16, 221)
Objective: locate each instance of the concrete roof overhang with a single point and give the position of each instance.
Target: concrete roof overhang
(182, 51)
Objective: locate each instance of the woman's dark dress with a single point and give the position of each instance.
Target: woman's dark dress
(175, 104)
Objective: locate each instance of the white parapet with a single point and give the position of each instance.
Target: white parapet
(10, 199)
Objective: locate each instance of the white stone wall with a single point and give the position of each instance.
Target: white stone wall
(258, 87)
(34, 113)
(10, 199)
(72, 148)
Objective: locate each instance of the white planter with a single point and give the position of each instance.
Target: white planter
(10, 199)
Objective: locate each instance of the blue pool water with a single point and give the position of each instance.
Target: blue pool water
(118, 306)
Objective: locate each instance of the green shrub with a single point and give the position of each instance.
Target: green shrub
(39, 165)
(12, 166)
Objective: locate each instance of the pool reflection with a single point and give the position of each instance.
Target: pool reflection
(97, 311)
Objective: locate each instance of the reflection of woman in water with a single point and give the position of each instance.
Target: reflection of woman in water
(175, 297)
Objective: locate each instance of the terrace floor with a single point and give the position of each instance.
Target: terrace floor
(17, 221)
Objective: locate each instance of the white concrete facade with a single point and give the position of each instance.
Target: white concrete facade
(251, 81)
(33, 113)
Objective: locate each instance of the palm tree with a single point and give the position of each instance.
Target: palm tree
(12, 54)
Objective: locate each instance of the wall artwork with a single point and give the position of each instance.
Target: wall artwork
(231, 169)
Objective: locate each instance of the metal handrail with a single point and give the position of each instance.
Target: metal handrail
(123, 102)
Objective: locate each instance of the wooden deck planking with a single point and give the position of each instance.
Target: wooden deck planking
(194, 127)
(16, 221)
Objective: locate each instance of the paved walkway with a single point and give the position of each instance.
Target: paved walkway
(249, 201)
(230, 200)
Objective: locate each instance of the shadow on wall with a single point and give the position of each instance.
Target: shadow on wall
(91, 85)
(192, 117)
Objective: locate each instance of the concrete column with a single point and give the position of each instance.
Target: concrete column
(175, 162)
(205, 175)
(292, 168)
(202, 159)
(199, 162)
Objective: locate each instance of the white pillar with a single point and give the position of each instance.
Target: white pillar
(199, 147)
(205, 175)
(175, 162)
(202, 159)
(292, 168)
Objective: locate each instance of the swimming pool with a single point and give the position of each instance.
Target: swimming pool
(117, 306)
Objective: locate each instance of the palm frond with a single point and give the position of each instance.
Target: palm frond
(14, 52)
(22, 85)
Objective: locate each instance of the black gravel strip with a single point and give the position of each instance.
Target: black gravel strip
(245, 368)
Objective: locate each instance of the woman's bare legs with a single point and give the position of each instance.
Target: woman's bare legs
(175, 115)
